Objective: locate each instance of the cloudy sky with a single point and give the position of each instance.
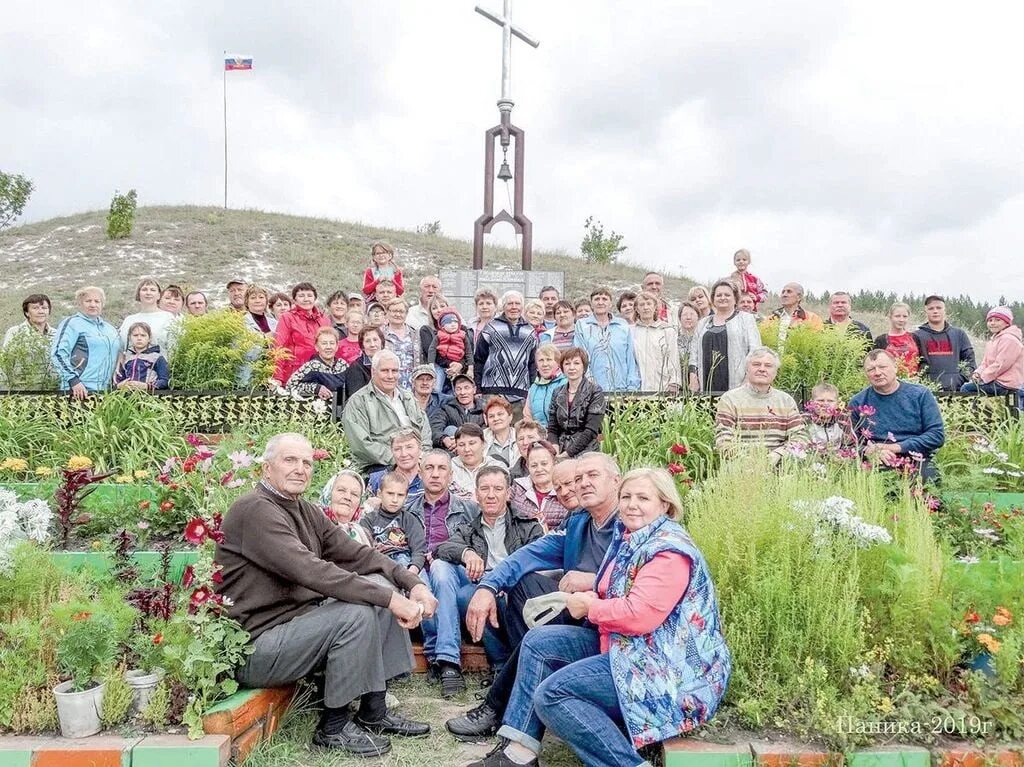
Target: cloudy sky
(851, 145)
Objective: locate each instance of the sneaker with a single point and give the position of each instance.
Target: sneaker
(496, 758)
(353, 739)
(395, 724)
(452, 681)
(433, 672)
(476, 724)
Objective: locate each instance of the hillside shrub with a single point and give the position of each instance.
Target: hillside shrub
(598, 247)
(121, 217)
(25, 363)
(14, 193)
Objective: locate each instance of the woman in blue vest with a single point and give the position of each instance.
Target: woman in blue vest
(652, 664)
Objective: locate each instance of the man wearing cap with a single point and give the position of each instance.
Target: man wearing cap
(464, 407)
(419, 314)
(423, 380)
(476, 547)
(577, 549)
(374, 413)
(1002, 368)
(236, 295)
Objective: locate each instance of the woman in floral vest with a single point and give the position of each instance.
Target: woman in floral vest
(655, 667)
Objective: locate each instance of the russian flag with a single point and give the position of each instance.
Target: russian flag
(232, 63)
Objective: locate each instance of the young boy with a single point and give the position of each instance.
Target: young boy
(828, 424)
(469, 459)
(394, 531)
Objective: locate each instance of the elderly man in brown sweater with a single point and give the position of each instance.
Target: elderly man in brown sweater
(313, 598)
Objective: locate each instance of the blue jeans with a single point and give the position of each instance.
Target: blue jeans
(494, 640)
(552, 661)
(993, 388)
(442, 634)
(580, 704)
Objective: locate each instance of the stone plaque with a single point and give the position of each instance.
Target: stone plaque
(460, 285)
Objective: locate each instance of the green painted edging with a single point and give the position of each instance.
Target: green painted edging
(20, 758)
(909, 756)
(1002, 501)
(193, 755)
(741, 757)
(98, 561)
(234, 701)
(105, 491)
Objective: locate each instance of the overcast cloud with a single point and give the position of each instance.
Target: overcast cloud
(849, 145)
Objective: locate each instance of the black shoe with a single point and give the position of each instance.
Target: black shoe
(476, 724)
(354, 740)
(452, 681)
(496, 758)
(433, 672)
(395, 724)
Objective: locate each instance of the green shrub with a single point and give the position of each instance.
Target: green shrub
(117, 698)
(15, 190)
(599, 247)
(25, 363)
(810, 356)
(214, 352)
(23, 666)
(86, 648)
(121, 217)
(156, 714)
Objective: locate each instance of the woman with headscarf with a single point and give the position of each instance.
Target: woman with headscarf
(340, 499)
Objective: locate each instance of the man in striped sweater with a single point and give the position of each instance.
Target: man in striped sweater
(755, 413)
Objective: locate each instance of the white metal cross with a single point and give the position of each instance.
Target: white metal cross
(507, 30)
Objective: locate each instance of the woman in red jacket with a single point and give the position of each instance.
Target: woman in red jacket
(296, 331)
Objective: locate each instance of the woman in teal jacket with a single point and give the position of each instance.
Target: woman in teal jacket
(85, 347)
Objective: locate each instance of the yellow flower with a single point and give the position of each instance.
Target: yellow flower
(79, 462)
(44, 471)
(989, 642)
(123, 479)
(141, 474)
(14, 464)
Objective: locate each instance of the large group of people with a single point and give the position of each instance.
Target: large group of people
(478, 495)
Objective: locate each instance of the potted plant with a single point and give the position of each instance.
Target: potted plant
(149, 671)
(86, 646)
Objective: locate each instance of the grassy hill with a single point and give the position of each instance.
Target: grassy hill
(201, 248)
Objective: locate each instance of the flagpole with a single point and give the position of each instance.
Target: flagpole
(225, 75)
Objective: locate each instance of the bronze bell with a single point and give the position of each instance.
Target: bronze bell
(504, 172)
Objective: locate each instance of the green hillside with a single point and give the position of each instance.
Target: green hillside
(201, 248)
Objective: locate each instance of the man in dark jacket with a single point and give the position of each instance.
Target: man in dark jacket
(503, 361)
(577, 548)
(948, 357)
(313, 598)
(464, 407)
(839, 308)
(478, 546)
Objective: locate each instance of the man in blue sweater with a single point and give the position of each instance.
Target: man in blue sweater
(577, 548)
(896, 420)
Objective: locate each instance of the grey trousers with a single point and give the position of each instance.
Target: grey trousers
(358, 646)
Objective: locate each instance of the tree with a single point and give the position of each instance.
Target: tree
(14, 193)
(598, 247)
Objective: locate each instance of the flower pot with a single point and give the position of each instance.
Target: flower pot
(78, 712)
(142, 683)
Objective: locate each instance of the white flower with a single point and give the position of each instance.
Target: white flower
(319, 407)
(7, 498)
(35, 520)
(986, 532)
(992, 470)
(968, 560)
(837, 512)
(240, 459)
(860, 672)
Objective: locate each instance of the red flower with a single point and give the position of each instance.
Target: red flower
(971, 616)
(676, 468)
(188, 576)
(190, 463)
(227, 477)
(320, 454)
(199, 597)
(194, 440)
(158, 638)
(196, 531)
(143, 505)
(217, 577)
(82, 616)
(166, 506)
(679, 449)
